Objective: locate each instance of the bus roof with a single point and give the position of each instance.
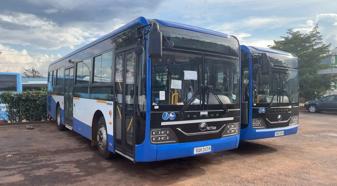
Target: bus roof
(10, 73)
(143, 21)
(191, 28)
(254, 49)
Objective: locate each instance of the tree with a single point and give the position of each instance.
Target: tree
(310, 49)
(32, 73)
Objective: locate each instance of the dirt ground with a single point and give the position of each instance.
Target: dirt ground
(46, 156)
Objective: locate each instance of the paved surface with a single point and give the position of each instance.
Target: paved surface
(45, 156)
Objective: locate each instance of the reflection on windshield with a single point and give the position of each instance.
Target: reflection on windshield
(221, 79)
(179, 79)
(280, 86)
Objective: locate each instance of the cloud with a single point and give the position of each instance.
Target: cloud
(12, 60)
(32, 31)
(75, 12)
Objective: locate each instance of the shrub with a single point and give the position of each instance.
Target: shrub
(28, 106)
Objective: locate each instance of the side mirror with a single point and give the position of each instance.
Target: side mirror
(155, 42)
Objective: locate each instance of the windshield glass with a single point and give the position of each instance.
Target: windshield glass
(221, 80)
(8, 83)
(179, 79)
(277, 85)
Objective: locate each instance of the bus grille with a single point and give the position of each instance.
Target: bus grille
(278, 117)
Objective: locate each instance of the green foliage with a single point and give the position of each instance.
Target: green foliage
(310, 50)
(28, 106)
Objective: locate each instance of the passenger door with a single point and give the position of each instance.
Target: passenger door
(125, 89)
(68, 95)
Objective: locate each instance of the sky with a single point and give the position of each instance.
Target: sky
(34, 33)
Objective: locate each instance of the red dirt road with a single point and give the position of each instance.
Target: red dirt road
(46, 156)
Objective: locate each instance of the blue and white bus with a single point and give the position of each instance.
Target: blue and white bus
(270, 105)
(151, 90)
(9, 82)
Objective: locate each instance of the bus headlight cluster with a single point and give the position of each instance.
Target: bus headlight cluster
(163, 135)
(231, 128)
(294, 120)
(258, 123)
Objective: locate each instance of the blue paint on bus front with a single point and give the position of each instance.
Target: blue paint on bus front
(252, 134)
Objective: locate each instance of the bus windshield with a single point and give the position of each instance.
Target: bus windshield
(278, 86)
(179, 78)
(8, 83)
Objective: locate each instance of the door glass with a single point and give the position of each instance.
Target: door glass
(130, 59)
(68, 98)
(119, 79)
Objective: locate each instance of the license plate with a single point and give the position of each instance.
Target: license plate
(279, 133)
(200, 150)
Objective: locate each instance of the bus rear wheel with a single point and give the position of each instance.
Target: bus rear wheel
(60, 126)
(102, 139)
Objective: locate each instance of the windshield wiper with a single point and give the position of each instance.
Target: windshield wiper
(271, 101)
(210, 90)
(188, 102)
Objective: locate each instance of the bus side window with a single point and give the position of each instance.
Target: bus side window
(52, 78)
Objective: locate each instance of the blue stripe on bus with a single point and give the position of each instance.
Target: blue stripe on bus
(146, 151)
(179, 150)
(52, 104)
(86, 131)
(252, 134)
(82, 128)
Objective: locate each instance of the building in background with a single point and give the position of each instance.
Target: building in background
(331, 71)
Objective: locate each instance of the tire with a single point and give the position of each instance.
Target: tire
(101, 139)
(312, 109)
(60, 126)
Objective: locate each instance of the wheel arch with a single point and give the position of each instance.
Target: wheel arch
(98, 114)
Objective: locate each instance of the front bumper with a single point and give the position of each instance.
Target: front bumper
(158, 152)
(252, 134)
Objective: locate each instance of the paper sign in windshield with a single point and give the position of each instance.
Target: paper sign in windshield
(162, 95)
(176, 84)
(190, 75)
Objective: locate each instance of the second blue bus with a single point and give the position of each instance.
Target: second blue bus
(270, 105)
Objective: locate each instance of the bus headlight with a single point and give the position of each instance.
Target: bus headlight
(231, 129)
(258, 123)
(294, 120)
(163, 135)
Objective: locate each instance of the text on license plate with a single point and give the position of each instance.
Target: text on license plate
(279, 133)
(199, 150)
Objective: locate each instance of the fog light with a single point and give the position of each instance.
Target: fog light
(258, 123)
(163, 135)
(294, 120)
(231, 129)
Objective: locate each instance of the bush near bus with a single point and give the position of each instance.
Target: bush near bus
(28, 106)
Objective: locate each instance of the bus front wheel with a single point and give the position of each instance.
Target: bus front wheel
(102, 139)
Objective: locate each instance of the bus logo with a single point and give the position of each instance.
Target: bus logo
(165, 116)
(203, 126)
(172, 116)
